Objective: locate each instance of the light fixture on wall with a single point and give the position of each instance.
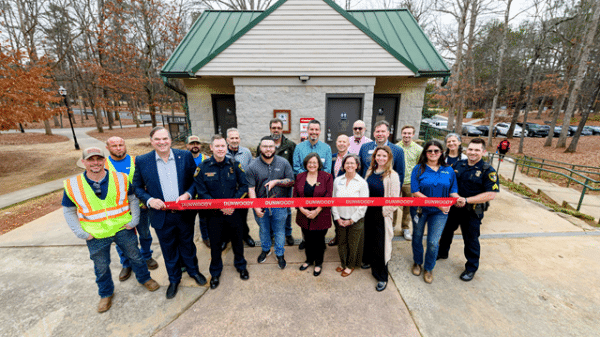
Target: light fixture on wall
(229, 111)
(304, 78)
(380, 111)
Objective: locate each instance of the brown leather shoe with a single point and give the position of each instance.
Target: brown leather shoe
(417, 269)
(151, 285)
(124, 274)
(339, 269)
(152, 264)
(105, 303)
(428, 277)
(344, 274)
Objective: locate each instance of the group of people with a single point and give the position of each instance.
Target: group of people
(119, 193)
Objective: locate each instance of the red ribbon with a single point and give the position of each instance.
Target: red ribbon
(306, 202)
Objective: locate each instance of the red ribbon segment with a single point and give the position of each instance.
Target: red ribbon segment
(306, 202)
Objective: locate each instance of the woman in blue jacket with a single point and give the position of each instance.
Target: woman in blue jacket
(432, 178)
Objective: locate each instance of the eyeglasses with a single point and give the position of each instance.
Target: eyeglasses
(433, 151)
(358, 128)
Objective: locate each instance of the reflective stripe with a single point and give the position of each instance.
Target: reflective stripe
(82, 192)
(74, 192)
(123, 185)
(105, 214)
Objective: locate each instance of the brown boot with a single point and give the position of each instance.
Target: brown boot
(428, 277)
(151, 285)
(124, 274)
(417, 269)
(105, 303)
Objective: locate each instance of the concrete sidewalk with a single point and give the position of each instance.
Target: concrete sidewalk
(540, 282)
(568, 197)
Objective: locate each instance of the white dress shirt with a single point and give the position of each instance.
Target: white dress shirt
(356, 188)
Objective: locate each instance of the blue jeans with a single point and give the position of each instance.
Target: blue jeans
(436, 222)
(100, 254)
(143, 229)
(273, 221)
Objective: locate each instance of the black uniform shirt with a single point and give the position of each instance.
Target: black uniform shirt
(476, 179)
(224, 180)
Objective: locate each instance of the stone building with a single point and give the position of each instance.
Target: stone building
(304, 59)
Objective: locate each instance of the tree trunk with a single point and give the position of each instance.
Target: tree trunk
(584, 117)
(589, 41)
(541, 107)
(500, 64)
(555, 113)
(56, 122)
(47, 127)
(455, 89)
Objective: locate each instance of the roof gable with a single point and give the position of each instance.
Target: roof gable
(395, 33)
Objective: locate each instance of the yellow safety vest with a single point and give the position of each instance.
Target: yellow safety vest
(109, 166)
(100, 218)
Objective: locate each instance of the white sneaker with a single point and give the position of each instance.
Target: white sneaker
(406, 233)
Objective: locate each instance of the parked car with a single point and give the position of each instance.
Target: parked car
(535, 130)
(558, 130)
(440, 124)
(485, 130)
(502, 129)
(470, 130)
(584, 131)
(595, 129)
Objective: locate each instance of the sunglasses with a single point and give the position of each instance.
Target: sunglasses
(433, 151)
(358, 128)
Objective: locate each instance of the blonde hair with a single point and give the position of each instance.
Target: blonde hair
(387, 168)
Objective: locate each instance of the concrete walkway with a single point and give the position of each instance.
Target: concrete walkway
(568, 197)
(538, 276)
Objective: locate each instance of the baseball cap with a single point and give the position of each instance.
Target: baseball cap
(193, 139)
(92, 151)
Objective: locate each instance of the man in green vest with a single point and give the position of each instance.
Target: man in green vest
(120, 161)
(101, 208)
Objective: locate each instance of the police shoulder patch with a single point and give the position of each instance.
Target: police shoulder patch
(197, 171)
(495, 187)
(493, 177)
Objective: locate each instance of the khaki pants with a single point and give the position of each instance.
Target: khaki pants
(406, 220)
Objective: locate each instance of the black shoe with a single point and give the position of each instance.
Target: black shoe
(441, 257)
(244, 275)
(305, 266)
(467, 275)
(249, 241)
(301, 245)
(365, 266)
(223, 246)
(124, 274)
(381, 286)
(200, 279)
(263, 256)
(289, 240)
(214, 282)
(172, 290)
(206, 243)
(281, 262)
(317, 273)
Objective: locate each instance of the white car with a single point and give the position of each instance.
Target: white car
(502, 129)
(439, 124)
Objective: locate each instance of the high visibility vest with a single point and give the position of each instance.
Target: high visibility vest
(109, 166)
(100, 218)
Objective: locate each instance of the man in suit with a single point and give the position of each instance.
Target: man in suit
(167, 174)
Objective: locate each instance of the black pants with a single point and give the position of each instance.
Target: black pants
(314, 245)
(176, 239)
(374, 249)
(470, 227)
(243, 218)
(220, 225)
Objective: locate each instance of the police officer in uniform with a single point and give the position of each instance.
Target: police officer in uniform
(477, 184)
(222, 178)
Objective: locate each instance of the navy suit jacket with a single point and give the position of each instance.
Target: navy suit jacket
(147, 183)
(366, 150)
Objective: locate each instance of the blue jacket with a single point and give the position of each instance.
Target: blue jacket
(366, 151)
(147, 183)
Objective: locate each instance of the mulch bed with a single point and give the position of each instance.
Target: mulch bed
(17, 215)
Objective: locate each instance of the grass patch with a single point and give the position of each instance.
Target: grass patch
(523, 190)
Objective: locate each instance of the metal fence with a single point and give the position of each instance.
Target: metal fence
(427, 132)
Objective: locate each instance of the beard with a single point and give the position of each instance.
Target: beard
(119, 156)
(195, 150)
(275, 136)
(264, 155)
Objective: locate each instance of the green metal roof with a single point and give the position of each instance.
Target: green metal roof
(394, 30)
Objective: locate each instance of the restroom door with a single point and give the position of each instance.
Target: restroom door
(342, 112)
(224, 113)
(385, 107)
